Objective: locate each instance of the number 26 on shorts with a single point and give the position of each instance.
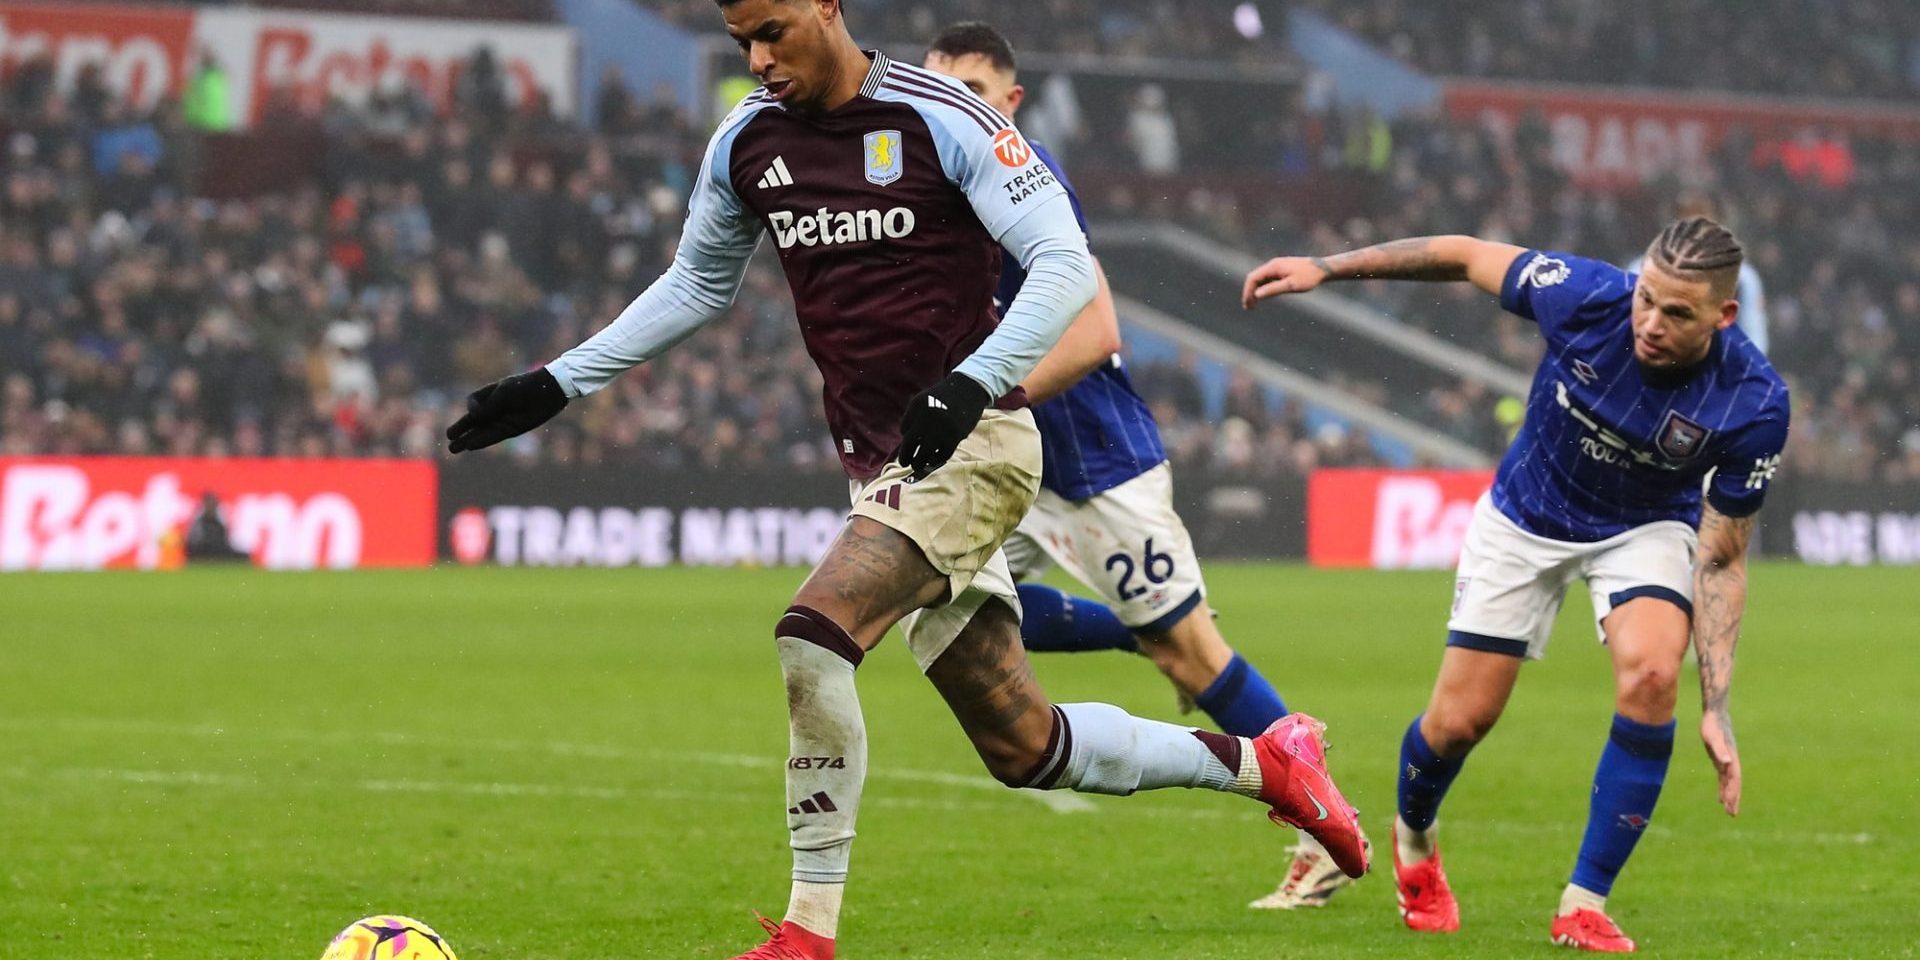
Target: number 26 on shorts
(1156, 567)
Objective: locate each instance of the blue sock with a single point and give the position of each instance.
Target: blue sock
(1424, 778)
(1056, 622)
(1241, 701)
(1625, 788)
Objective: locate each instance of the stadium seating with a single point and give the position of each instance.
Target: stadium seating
(1862, 48)
(347, 311)
(348, 315)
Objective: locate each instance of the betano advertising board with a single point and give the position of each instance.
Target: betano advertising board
(150, 52)
(92, 513)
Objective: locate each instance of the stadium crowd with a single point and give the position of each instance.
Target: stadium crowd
(1242, 29)
(431, 252)
(1836, 48)
(1842, 298)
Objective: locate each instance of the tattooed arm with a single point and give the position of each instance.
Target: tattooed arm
(1438, 259)
(1719, 600)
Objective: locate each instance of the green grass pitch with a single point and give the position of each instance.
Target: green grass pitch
(587, 764)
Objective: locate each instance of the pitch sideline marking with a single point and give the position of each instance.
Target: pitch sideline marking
(505, 789)
(1058, 801)
(459, 787)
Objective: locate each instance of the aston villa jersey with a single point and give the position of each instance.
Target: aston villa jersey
(886, 214)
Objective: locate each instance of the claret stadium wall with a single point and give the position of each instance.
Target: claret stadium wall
(98, 512)
(91, 513)
(148, 52)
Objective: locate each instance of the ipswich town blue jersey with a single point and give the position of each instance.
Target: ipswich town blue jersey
(1099, 433)
(1602, 450)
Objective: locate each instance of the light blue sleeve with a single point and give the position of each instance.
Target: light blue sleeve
(1753, 306)
(1060, 283)
(715, 245)
(1027, 211)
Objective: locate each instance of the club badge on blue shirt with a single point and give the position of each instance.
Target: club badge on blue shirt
(1681, 438)
(884, 162)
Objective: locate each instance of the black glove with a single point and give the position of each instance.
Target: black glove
(937, 420)
(506, 408)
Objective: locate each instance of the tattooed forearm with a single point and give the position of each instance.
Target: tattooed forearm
(1719, 602)
(1412, 259)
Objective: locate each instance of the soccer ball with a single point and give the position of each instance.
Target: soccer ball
(388, 938)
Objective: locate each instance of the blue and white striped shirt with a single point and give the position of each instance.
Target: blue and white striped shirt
(1603, 451)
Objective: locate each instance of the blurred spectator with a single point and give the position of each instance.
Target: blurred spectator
(208, 102)
(1128, 28)
(207, 534)
(1151, 132)
(349, 313)
(1860, 48)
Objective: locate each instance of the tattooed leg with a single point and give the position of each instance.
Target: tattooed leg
(1089, 747)
(986, 680)
(871, 577)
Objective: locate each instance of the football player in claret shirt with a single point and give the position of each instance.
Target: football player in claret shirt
(1647, 393)
(1105, 509)
(889, 193)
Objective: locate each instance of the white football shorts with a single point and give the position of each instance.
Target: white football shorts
(1508, 588)
(959, 516)
(1127, 544)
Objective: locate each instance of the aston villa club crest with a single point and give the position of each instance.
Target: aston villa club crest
(884, 162)
(1681, 438)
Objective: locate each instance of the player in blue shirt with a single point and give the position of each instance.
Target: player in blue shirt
(1105, 509)
(1647, 393)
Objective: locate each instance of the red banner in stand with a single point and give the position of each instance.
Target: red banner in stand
(90, 513)
(1390, 519)
(1625, 137)
(141, 52)
(300, 56)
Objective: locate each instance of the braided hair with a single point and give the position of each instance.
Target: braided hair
(1696, 249)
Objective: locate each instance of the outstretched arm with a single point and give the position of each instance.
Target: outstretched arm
(1484, 263)
(1719, 601)
(699, 286)
(712, 258)
(1089, 343)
